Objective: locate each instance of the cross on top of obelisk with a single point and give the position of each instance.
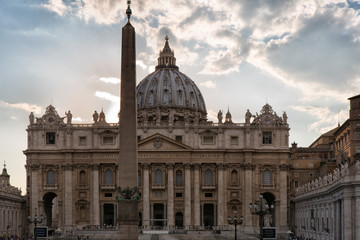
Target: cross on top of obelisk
(128, 10)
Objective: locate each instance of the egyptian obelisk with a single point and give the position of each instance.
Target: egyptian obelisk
(128, 217)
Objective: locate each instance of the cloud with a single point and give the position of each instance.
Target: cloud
(23, 106)
(212, 115)
(57, 6)
(325, 118)
(209, 84)
(111, 80)
(141, 64)
(107, 96)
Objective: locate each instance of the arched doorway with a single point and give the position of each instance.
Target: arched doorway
(209, 215)
(179, 220)
(269, 220)
(48, 208)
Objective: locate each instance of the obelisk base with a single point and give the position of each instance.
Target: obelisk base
(128, 219)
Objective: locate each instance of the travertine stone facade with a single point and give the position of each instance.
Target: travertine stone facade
(192, 173)
(12, 208)
(327, 206)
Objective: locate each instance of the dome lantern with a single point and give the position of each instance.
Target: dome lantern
(167, 57)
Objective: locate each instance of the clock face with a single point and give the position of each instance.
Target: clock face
(267, 119)
(50, 119)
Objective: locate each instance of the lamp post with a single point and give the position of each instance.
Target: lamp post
(35, 221)
(261, 210)
(235, 221)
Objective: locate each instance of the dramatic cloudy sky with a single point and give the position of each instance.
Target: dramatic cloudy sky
(300, 56)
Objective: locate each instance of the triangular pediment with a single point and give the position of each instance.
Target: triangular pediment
(161, 143)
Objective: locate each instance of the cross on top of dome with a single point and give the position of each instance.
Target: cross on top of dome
(167, 57)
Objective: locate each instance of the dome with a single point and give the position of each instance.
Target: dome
(168, 95)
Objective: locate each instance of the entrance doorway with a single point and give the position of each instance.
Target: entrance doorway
(179, 220)
(209, 215)
(48, 206)
(109, 214)
(159, 214)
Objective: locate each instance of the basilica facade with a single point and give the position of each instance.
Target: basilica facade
(12, 208)
(192, 173)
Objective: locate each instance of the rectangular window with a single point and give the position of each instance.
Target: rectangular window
(178, 194)
(296, 184)
(358, 134)
(82, 141)
(108, 194)
(50, 138)
(208, 195)
(267, 137)
(108, 140)
(208, 140)
(296, 165)
(234, 140)
(178, 139)
(267, 178)
(358, 149)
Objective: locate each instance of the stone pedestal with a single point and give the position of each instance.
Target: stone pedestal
(128, 219)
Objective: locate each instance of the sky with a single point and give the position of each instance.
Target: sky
(300, 56)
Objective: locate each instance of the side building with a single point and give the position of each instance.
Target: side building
(328, 206)
(193, 173)
(12, 208)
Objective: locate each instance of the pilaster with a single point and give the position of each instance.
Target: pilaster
(187, 210)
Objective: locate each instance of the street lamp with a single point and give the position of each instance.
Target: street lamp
(35, 221)
(235, 221)
(261, 211)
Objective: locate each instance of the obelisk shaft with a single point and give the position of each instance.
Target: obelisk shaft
(128, 163)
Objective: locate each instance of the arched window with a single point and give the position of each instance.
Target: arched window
(208, 177)
(50, 177)
(82, 177)
(108, 177)
(158, 177)
(234, 178)
(179, 178)
(267, 178)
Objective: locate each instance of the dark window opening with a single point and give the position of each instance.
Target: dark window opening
(267, 137)
(108, 194)
(178, 194)
(178, 139)
(50, 138)
(208, 195)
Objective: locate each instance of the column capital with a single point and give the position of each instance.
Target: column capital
(170, 166)
(197, 166)
(35, 167)
(187, 165)
(249, 166)
(145, 166)
(68, 166)
(95, 166)
(220, 166)
(284, 166)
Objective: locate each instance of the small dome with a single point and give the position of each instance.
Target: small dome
(169, 90)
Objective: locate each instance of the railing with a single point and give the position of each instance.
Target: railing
(158, 186)
(208, 187)
(50, 186)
